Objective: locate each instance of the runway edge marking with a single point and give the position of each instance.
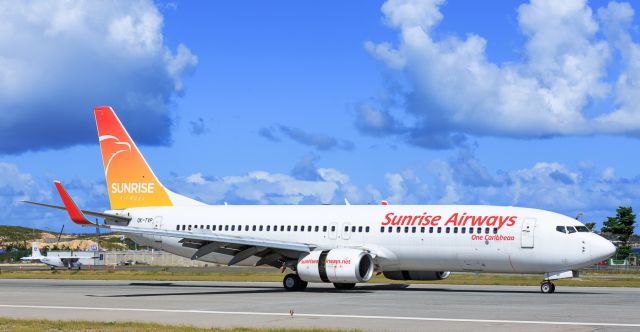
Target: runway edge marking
(213, 312)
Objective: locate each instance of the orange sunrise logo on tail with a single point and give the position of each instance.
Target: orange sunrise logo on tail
(130, 180)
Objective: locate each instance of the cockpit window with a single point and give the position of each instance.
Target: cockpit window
(560, 229)
(571, 229)
(583, 229)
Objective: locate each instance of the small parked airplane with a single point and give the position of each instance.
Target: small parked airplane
(53, 261)
(342, 244)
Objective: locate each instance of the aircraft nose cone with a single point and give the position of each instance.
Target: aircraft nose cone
(602, 249)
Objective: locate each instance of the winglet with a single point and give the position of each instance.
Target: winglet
(74, 213)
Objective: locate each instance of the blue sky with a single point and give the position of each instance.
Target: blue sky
(249, 102)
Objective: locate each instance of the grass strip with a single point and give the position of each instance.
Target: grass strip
(28, 325)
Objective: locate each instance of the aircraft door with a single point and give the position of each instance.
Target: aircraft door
(157, 224)
(527, 236)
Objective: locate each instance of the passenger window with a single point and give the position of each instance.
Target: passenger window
(260, 228)
(333, 228)
(406, 229)
(470, 230)
(295, 228)
(253, 228)
(413, 229)
(317, 229)
(201, 226)
(226, 227)
(486, 230)
(479, 230)
(463, 230)
(398, 229)
(208, 227)
(439, 230)
(359, 229)
(455, 230)
(495, 230)
(422, 229)
(289, 228)
(184, 227)
(430, 229)
(268, 228)
(310, 228)
(570, 229)
(178, 228)
(390, 229)
(346, 228)
(353, 229)
(324, 228)
(246, 228)
(233, 228)
(366, 229)
(189, 227)
(282, 228)
(447, 230)
(302, 228)
(382, 229)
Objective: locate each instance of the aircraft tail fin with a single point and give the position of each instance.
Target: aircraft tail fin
(35, 250)
(130, 180)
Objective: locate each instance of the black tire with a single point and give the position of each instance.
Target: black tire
(546, 287)
(553, 288)
(344, 286)
(292, 282)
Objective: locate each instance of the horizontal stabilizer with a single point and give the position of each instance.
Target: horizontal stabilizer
(77, 215)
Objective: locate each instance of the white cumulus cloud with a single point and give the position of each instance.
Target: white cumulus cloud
(456, 90)
(59, 59)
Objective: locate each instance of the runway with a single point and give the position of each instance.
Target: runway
(369, 307)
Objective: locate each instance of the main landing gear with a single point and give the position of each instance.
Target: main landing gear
(292, 282)
(547, 287)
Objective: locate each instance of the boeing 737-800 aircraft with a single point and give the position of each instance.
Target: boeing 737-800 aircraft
(343, 245)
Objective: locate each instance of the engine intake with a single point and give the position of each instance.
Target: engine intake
(416, 275)
(337, 265)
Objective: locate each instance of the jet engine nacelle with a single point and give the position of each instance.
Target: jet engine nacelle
(416, 275)
(337, 265)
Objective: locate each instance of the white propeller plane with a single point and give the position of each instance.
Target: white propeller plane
(53, 261)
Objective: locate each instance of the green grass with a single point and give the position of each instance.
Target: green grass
(586, 279)
(24, 325)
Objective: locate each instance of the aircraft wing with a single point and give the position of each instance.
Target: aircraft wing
(271, 252)
(204, 239)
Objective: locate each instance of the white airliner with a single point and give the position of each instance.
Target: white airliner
(343, 245)
(59, 261)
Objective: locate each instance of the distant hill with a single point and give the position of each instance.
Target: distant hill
(21, 234)
(22, 237)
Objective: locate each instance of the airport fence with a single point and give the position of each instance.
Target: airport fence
(149, 257)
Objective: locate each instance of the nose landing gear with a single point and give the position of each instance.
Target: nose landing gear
(547, 287)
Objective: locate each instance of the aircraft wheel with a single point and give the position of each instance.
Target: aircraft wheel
(340, 285)
(547, 287)
(292, 282)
